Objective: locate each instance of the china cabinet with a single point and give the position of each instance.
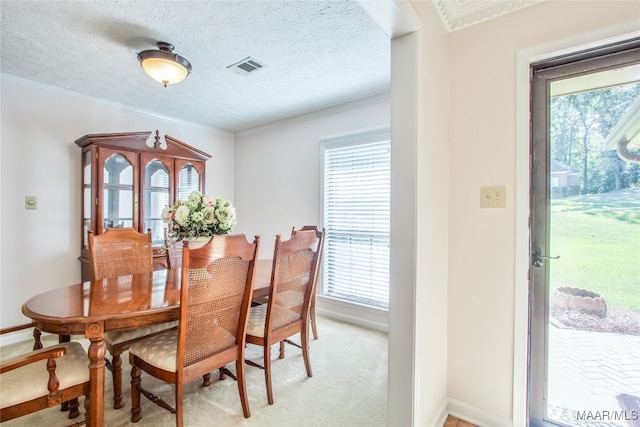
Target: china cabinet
(129, 178)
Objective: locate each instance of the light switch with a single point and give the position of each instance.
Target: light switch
(493, 197)
(30, 202)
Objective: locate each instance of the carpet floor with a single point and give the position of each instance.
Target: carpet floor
(348, 387)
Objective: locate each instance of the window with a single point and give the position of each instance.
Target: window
(356, 207)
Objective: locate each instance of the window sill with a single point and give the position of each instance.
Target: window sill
(354, 313)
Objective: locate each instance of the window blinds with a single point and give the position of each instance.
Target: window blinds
(356, 218)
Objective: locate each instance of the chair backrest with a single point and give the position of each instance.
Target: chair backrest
(312, 229)
(293, 278)
(216, 290)
(120, 251)
(305, 228)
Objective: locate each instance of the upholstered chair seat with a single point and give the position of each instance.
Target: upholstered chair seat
(42, 379)
(30, 381)
(160, 350)
(119, 337)
(258, 316)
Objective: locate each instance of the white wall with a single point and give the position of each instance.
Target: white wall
(278, 180)
(39, 248)
(277, 168)
(483, 152)
(432, 219)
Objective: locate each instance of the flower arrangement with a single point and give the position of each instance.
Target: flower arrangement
(198, 216)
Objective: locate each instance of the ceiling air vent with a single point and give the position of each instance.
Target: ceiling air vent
(246, 66)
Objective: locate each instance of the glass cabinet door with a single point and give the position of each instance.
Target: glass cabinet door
(87, 199)
(118, 199)
(156, 197)
(190, 178)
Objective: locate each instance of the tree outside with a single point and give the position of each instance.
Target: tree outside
(595, 229)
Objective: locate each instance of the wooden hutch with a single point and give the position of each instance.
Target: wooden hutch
(127, 182)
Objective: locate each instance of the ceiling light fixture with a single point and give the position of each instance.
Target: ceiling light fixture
(163, 65)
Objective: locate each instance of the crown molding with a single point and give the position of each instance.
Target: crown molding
(460, 14)
(56, 91)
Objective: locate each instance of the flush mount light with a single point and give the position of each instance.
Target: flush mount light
(163, 65)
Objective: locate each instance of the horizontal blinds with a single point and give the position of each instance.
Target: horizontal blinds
(356, 218)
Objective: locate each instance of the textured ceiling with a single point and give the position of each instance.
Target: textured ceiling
(316, 54)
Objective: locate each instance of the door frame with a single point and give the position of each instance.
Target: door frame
(524, 59)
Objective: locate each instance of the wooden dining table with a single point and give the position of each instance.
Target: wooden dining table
(127, 302)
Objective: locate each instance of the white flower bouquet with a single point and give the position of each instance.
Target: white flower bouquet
(198, 216)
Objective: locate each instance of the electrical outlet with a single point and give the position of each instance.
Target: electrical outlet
(493, 197)
(30, 202)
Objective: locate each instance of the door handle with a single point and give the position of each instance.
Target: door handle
(537, 258)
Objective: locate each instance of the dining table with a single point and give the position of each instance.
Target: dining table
(95, 307)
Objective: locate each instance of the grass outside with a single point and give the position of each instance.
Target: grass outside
(598, 240)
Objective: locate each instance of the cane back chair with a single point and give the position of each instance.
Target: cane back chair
(287, 311)
(118, 252)
(215, 295)
(312, 308)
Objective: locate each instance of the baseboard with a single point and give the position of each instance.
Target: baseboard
(353, 313)
(476, 416)
(443, 413)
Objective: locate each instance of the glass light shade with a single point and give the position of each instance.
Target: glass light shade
(163, 65)
(164, 71)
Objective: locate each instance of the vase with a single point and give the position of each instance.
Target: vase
(199, 242)
(174, 250)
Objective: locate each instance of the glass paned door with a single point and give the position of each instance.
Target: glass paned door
(156, 198)
(585, 242)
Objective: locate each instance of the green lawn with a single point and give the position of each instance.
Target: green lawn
(598, 240)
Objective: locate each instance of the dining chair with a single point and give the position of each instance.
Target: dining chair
(43, 378)
(312, 308)
(287, 311)
(118, 252)
(215, 295)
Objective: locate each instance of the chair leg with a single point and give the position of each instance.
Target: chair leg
(242, 387)
(87, 406)
(304, 341)
(116, 374)
(281, 355)
(206, 380)
(37, 344)
(267, 372)
(179, 406)
(73, 408)
(135, 394)
(312, 314)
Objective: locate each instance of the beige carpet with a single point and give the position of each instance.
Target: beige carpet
(348, 388)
